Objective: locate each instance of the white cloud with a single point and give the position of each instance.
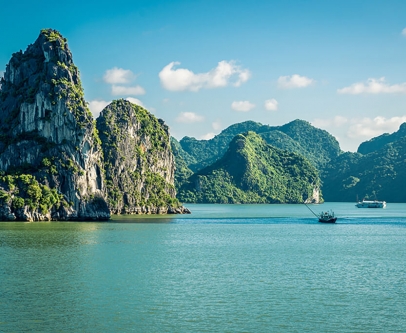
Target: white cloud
(96, 106)
(189, 117)
(122, 90)
(180, 79)
(118, 75)
(243, 106)
(373, 86)
(216, 125)
(337, 121)
(404, 32)
(271, 104)
(135, 101)
(368, 127)
(350, 132)
(208, 136)
(294, 81)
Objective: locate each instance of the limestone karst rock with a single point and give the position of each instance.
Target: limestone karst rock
(50, 156)
(138, 160)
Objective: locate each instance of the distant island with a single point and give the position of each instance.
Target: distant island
(58, 163)
(204, 168)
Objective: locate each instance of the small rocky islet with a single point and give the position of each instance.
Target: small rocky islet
(58, 163)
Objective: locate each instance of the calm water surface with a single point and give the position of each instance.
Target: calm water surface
(225, 268)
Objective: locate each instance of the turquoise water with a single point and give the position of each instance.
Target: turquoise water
(225, 268)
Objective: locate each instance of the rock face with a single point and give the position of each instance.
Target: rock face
(47, 131)
(138, 161)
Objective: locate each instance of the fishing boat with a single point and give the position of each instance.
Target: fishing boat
(324, 217)
(327, 217)
(371, 204)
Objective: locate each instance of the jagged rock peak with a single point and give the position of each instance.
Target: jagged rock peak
(46, 125)
(138, 160)
(45, 78)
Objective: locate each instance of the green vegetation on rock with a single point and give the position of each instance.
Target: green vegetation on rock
(380, 174)
(298, 136)
(182, 160)
(24, 190)
(138, 160)
(47, 132)
(251, 171)
(380, 141)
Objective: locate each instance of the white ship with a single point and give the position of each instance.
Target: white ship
(371, 204)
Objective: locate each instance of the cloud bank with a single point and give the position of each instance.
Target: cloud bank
(362, 128)
(181, 79)
(368, 127)
(373, 86)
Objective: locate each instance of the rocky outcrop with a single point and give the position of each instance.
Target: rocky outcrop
(138, 161)
(47, 131)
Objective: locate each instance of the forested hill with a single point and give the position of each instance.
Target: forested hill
(377, 172)
(252, 171)
(378, 142)
(380, 174)
(297, 136)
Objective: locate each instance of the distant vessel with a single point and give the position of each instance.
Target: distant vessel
(327, 217)
(371, 204)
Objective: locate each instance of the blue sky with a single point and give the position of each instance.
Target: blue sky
(204, 65)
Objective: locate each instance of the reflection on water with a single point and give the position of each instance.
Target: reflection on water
(46, 234)
(206, 273)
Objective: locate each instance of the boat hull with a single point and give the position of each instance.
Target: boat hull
(332, 220)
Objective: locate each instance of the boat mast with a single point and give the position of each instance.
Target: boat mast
(311, 210)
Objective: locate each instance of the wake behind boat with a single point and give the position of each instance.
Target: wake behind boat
(371, 204)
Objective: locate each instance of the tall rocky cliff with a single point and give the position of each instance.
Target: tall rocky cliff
(138, 160)
(50, 157)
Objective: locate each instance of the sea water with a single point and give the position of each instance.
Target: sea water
(224, 268)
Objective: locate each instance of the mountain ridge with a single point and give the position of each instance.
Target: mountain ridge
(251, 171)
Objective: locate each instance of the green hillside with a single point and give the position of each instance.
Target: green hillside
(182, 160)
(378, 142)
(378, 175)
(297, 136)
(252, 171)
